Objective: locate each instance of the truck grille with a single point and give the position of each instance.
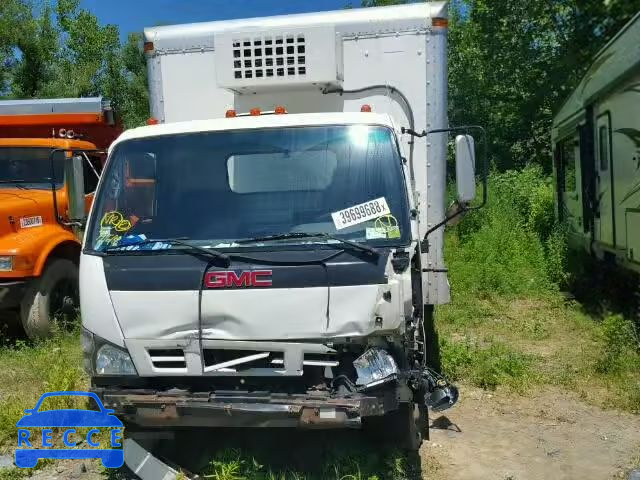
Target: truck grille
(168, 359)
(270, 56)
(221, 360)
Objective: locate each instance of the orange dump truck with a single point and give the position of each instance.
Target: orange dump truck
(39, 251)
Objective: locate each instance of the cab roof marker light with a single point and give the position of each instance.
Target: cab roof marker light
(440, 22)
(152, 121)
(230, 113)
(365, 108)
(280, 110)
(255, 112)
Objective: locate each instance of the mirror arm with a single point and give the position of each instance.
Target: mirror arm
(57, 216)
(485, 173)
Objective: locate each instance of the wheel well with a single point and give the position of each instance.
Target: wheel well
(67, 250)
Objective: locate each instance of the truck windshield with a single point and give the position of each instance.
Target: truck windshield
(230, 189)
(29, 167)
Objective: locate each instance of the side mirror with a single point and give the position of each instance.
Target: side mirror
(74, 187)
(465, 168)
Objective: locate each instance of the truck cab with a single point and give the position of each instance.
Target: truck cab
(39, 251)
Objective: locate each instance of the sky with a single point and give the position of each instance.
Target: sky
(134, 15)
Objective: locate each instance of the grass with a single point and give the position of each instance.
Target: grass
(28, 370)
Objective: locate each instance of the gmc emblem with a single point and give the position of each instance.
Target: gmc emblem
(246, 278)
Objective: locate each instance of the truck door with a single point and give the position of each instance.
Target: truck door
(569, 182)
(604, 222)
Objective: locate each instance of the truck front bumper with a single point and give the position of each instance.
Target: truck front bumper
(180, 408)
(11, 293)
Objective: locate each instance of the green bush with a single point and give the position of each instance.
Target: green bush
(513, 245)
(619, 345)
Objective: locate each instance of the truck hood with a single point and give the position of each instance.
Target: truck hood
(18, 204)
(294, 296)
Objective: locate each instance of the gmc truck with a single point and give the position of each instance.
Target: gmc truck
(269, 250)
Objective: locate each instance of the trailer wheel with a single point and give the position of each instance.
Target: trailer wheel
(401, 428)
(53, 297)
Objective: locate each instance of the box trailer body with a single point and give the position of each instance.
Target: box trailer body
(596, 143)
(39, 255)
(287, 252)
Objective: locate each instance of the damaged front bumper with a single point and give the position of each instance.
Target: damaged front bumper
(181, 408)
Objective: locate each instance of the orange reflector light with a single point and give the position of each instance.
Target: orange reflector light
(152, 121)
(440, 22)
(148, 47)
(230, 114)
(280, 110)
(254, 112)
(365, 108)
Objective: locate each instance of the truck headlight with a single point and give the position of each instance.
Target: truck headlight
(111, 360)
(6, 263)
(375, 366)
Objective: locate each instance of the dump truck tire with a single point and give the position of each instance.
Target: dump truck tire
(36, 309)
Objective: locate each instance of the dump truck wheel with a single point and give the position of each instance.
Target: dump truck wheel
(53, 296)
(399, 428)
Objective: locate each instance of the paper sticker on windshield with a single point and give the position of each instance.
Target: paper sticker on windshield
(360, 213)
(384, 227)
(117, 221)
(28, 222)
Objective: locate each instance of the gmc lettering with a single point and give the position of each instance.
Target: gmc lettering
(230, 279)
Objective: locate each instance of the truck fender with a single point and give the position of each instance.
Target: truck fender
(58, 240)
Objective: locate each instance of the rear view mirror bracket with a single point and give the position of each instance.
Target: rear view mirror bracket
(74, 182)
(463, 207)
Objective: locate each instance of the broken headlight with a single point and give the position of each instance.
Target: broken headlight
(375, 366)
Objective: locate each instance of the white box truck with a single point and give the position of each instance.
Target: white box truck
(269, 251)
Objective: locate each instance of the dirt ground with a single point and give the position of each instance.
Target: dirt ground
(552, 435)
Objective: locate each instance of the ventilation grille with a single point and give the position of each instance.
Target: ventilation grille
(221, 360)
(167, 359)
(268, 57)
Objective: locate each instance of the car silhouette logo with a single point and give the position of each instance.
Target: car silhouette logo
(69, 419)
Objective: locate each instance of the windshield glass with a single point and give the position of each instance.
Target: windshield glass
(29, 167)
(219, 188)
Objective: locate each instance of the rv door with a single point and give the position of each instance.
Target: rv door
(604, 222)
(569, 182)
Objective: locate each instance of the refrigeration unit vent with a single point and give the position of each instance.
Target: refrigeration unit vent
(254, 61)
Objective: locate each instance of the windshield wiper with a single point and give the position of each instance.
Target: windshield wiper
(18, 183)
(191, 248)
(285, 236)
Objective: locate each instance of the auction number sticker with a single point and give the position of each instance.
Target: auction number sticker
(28, 222)
(360, 213)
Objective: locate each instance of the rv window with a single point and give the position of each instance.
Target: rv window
(603, 147)
(569, 148)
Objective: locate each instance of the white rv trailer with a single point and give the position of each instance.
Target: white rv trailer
(278, 267)
(596, 143)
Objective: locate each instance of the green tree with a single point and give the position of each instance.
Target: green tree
(511, 64)
(65, 52)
